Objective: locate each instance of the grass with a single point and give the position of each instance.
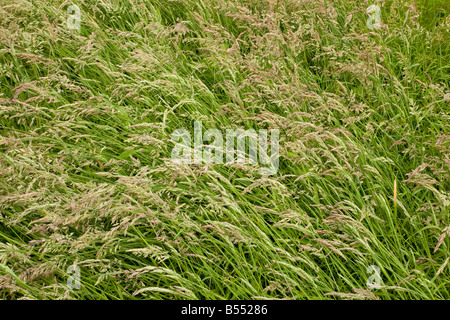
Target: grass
(86, 175)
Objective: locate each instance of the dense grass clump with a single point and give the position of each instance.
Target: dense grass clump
(86, 175)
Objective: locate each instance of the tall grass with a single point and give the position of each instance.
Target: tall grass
(86, 175)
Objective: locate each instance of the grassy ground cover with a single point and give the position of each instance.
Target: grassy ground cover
(86, 176)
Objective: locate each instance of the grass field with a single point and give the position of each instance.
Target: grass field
(87, 179)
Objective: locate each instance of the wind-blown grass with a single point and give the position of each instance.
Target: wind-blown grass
(86, 176)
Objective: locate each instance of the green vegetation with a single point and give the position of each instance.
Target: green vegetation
(86, 175)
